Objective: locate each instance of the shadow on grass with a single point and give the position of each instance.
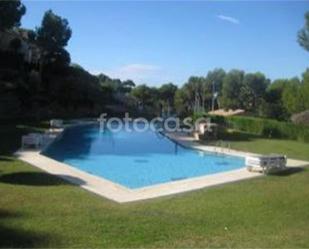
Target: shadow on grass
(238, 136)
(39, 179)
(289, 171)
(6, 159)
(12, 237)
(17, 238)
(8, 214)
(234, 136)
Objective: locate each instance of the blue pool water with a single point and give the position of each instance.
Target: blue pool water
(135, 159)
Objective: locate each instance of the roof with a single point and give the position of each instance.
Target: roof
(226, 113)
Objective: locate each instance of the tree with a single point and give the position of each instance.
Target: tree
(32, 36)
(182, 102)
(253, 91)
(303, 34)
(194, 90)
(232, 84)
(15, 44)
(53, 37)
(213, 85)
(197, 93)
(127, 86)
(305, 89)
(167, 94)
(146, 96)
(76, 65)
(143, 94)
(273, 106)
(11, 12)
(292, 97)
(59, 57)
(103, 78)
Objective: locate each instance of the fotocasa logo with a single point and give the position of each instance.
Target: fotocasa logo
(157, 124)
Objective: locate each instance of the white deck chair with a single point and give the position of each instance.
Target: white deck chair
(33, 139)
(56, 123)
(266, 164)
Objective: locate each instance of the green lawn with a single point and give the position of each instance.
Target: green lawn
(39, 210)
(252, 143)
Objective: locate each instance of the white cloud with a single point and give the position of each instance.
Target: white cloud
(228, 19)
(139, 73)
(133, 69)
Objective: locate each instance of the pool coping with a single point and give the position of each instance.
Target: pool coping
(121, 194)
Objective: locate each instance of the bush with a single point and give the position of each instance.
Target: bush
(220, 120)
(269, 128)
(213, 118)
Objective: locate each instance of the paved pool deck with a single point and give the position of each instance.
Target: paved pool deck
(121, 194)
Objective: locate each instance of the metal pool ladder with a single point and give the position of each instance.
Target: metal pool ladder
(222, 145)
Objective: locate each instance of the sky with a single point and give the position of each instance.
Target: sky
(156, 42)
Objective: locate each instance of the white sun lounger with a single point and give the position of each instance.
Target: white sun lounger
(56, 123)
(266, 164)
(32, 139)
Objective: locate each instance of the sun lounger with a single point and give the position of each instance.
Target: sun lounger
(32, 139)
(266, 164)
(56, 123)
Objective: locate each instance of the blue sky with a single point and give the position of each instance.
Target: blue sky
(168, 41)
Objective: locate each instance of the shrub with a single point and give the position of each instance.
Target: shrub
(213, 118)
(269, 128)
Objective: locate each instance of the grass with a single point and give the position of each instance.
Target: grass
(40, 210)
(292, 149)
(252, 143)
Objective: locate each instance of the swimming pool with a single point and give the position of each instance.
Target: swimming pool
(135, 159)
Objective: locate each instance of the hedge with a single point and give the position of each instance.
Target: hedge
(266, 127)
